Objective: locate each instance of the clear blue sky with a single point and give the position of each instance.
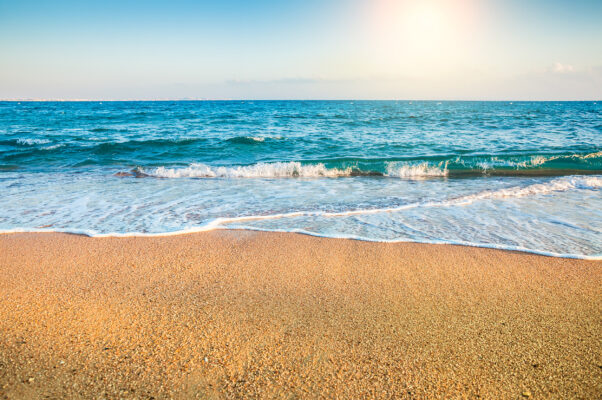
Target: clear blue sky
(293, 49)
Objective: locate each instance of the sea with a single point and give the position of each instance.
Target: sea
(523, 176)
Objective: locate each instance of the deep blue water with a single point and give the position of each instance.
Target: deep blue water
(522, 175)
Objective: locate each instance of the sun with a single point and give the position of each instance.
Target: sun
(424, 19)
(411, 21)
(419, 32)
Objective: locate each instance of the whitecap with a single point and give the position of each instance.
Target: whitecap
(260, 170)
(417, 171)
(32, 142)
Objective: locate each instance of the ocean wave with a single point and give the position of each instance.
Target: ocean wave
(246, 139)
(252, 139)
(31, 142)
(417, 171)
(177, 151)
(556, 185)
(460, 166)
(52, 147)
(261, 170)
(494, 163)
(245, 222)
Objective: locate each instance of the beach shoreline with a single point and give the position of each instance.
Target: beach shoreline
(216, 226)
(231, 313)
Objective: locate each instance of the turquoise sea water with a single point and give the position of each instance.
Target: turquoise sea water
(522, 175)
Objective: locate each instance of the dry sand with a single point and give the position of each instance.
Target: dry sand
(230, 314)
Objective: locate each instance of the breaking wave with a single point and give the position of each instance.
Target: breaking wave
(536, 165)
(261, 170)
(423, 170)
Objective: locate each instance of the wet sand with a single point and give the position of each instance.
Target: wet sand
(230, 314)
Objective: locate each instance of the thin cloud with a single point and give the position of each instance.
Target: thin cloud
(295, 81)
(560, 68)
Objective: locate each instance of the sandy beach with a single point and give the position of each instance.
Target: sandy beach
(231, 314)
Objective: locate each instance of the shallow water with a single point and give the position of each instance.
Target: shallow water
(524, 176)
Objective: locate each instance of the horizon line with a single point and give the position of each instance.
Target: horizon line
(42, 100)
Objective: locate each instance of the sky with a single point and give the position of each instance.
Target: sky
(301, 49)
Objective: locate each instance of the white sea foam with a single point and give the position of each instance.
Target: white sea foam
(54, 146)
(256, 138)
(261, 170)
(394, 169)
(263, 138)
(494, 162)
(531, 162)
(31, 142)
(557, 185)
(417, 171)
(289, 170)
(246, 222)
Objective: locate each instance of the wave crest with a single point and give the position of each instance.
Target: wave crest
(252, 139)
(418, 171)
(535, 165)
(261, 170)
(32, 142)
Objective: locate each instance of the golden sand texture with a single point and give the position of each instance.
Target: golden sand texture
(237, 314)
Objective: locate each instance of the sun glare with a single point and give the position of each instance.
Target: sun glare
(424, 19)
(418, 31)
